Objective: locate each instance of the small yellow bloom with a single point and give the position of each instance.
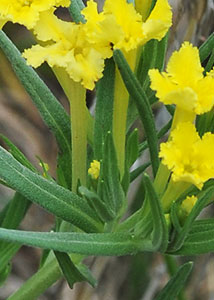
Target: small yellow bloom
(189, 157)
(94, 169)
(184, 83)
(26, 12)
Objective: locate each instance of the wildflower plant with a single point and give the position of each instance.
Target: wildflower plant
(119, 51)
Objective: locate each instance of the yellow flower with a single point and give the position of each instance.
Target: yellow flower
(120, 26)
(81, 48)
(189, 157)
(67, 48)
(94, 169)
(184, 83)
(26, 12)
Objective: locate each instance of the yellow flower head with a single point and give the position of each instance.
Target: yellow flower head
(94, 169)
(120, 26)
(67, 48)
(26, 12)
(81, 48)
(189, 157)
(184, 83)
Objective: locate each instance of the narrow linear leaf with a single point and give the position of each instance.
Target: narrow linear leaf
(82, 243)
(200, 204)
(15, 212)
(104, 107)
(135, 173)
(104, 212)
(49, 107)
(200, 240)
(7, 253)
(139, 97)
(144, 145)
(69, 270)
(132, 148)
(160, 230)
(109, 174)
(75, 10)
(176, 283)
(206, 48)
(47, 194)
(17, 154)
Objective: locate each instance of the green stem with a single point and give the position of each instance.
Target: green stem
(39, 282)
(76, 95)
(121, 100)
(79, 134)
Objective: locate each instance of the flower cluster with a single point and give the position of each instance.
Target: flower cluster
(81, 48)
(189, 157)
(26, 12)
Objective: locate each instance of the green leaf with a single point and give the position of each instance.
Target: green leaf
(15, 212)
(206, 48)
(13, 216)
(69, 270)
(139, 97)
(200, 204)
(49, 107)
(52, 197)
(7, 254)
(4, 274)
(152, 56)
(132, 148)
(104, 212)
(17, 154)
(109, 186)
(82, 243)
(144, 145)
(104, 107)
(176, 283)
(160, 230)
(136, 172)
(132, 153)
(200, 239)
(75, 10)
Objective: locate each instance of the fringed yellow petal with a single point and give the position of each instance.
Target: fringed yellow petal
(184, 98)
(161, 83)
(27, 12)
(184, 83)
(159, 21)
(184, 65)
(189, 157)
(205, 91)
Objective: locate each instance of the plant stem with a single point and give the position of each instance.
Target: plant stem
(79, 134)
(121, 100)
(76, 95)
(39, 282)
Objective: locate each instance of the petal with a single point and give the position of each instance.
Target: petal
(161, 83)
(129, 21)
(184, 98)
(159, 21)
(205, 92)
(184, 65)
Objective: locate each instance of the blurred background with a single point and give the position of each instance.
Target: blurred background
(128, 278)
